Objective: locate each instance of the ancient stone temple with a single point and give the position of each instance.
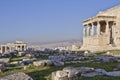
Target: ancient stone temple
(102, 32)
(9, 47)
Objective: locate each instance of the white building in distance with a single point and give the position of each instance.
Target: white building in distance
(9, 47)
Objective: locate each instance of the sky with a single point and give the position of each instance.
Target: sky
(47, 20)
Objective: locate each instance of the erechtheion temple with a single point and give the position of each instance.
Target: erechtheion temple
(9, 47)
(102, 32)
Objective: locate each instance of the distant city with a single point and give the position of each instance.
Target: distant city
(64, 43)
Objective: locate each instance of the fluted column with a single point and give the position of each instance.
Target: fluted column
(107, 27)
(98, 28)
(92, 29)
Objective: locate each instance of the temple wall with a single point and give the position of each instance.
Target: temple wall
(110, 39)
(115, 11)
(101, 40)
(104, 40)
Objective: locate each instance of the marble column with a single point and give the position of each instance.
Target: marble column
(92, 29)
(5, 48)
(16, 48)
(21, 48)
(10, 49)
(98, 28)
(1, 49)
(107, 27)
(84, 31)
(113, 29)
(88, 31)
(25, 47)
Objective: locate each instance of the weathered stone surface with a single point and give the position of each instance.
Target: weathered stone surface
(91, 74)
(16, 76)
(4, 60)
(106, 59)
(102, 71)
(58, 63)
(43, 63)
(60, 75)
(114, 73)
(86, 69)
(49, 62)
(27, 61)
(15, 62)
(72, 72)
(39, 63)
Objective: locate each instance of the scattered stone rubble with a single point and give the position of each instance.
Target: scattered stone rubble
(70, 73)
(16, 76)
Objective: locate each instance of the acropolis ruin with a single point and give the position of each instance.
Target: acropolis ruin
(9, 47)
(102, 32)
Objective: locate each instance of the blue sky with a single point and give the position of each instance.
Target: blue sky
(47, 20)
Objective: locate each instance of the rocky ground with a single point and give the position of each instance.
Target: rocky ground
(63, 66)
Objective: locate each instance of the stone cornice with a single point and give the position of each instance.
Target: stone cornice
(99, 18)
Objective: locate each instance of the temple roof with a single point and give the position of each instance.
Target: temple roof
(109, 14)
(110, 9)
(99, 18)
